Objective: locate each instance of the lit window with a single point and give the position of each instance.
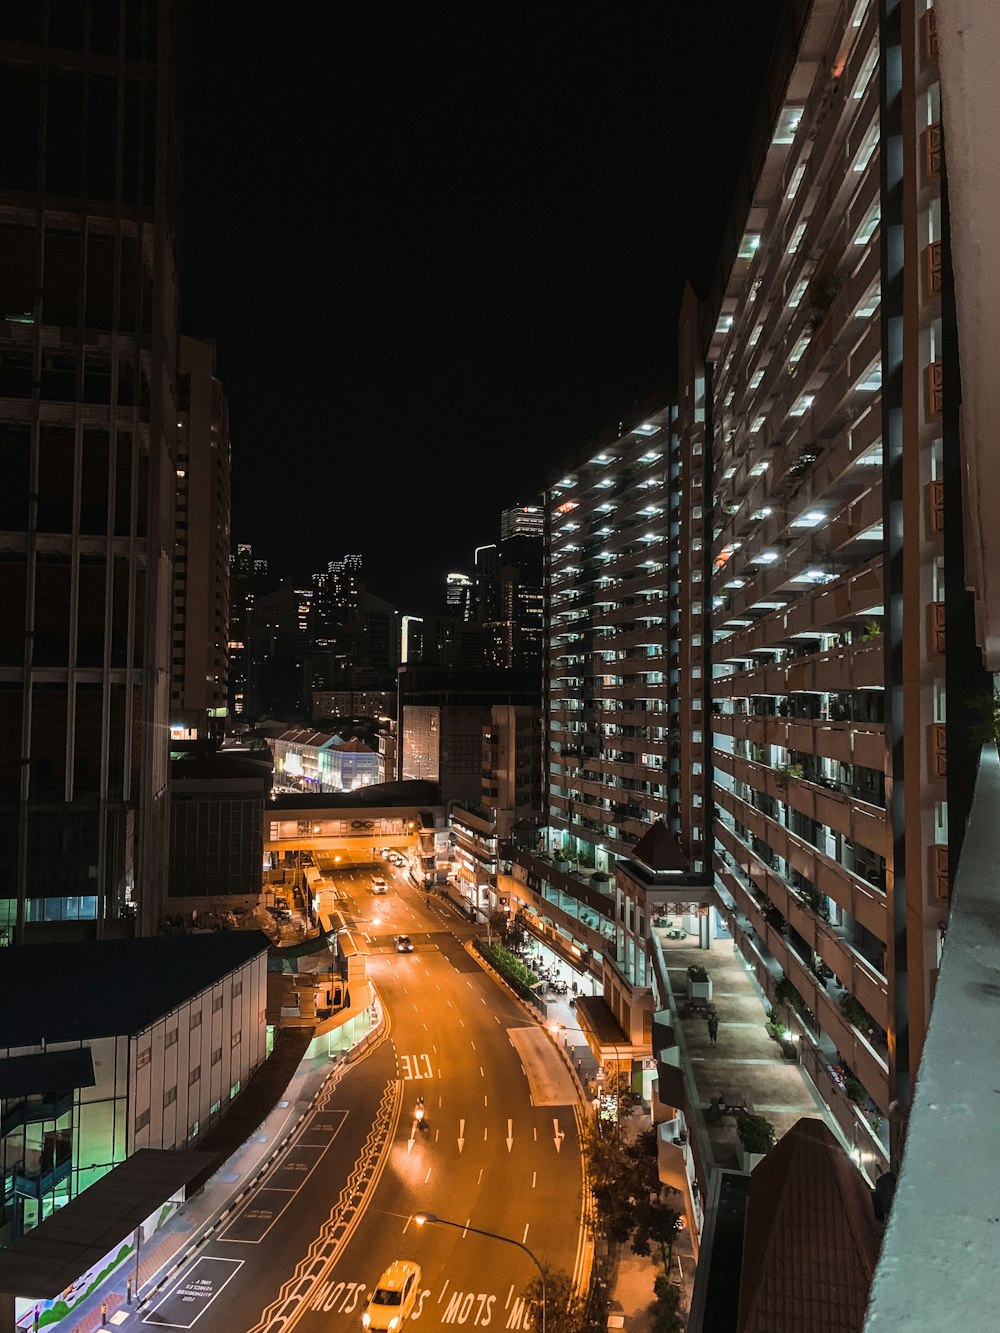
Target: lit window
(796, 181)
(797, 235)
(755, 381)
(867, 229)
(752, 341)
(798, 291)
(864, 74)
(749, 245)
(867, 149)
(788, 123)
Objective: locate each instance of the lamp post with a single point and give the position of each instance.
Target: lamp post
(422, 1218)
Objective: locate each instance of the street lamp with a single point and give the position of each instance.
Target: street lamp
(422, 1218)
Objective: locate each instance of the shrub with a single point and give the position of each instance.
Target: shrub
(756, 1132)
(697, 973)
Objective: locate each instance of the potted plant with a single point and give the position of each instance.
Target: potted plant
(756, 1135)
(699, 983)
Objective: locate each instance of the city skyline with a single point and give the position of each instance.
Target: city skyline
(430, 275)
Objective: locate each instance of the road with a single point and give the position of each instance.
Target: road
(500, 1153)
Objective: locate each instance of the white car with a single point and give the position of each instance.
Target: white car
(379, 885)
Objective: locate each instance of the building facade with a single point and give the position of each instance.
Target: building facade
(824, 550)
(147, 1059)
(199, 703)
(609, 637)
(88, 299)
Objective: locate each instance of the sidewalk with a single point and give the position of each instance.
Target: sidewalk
(246, 1140)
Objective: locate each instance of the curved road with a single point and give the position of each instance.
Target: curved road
(500, 1153)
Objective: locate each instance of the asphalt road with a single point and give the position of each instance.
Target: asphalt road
(499, 1153)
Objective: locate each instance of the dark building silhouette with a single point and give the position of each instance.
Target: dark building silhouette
(88, 193)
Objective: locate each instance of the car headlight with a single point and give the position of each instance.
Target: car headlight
(394, 1321)
(366, 1319)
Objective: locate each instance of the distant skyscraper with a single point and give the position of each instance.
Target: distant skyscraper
(247, 580)
(458, 595)
(199, 701)
(509, 597)
(88, 300)
(523, 521)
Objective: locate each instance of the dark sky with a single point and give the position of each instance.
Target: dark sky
(439, 243)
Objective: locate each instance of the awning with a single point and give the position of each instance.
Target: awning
(49, 1071)
(47, 1260)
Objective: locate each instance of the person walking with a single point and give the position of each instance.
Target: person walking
(713, 1030)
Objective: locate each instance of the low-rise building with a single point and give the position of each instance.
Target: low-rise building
(111, 1046)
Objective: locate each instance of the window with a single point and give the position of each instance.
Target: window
(217, 1056)
(237, 1038)
(237, 988)
(195, 1076)
(196, 1020)
(170, 1096)
(142, 1121)
(216, 1004)
(144, 1058)
(171, 1038)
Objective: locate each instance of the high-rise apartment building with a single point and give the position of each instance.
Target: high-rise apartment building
(199, 699)
(88, 191)
(610, 635)
(822, 559)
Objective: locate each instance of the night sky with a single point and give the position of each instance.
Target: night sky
(438, 244)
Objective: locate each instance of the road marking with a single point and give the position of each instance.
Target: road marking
(428, 1175)
(524, 1238)
(480, 1180)
(510, 1135)
(473, 1045)
(536, 1133)
(486, 1135)
(534, 1177)
(486, 1101)
(559, 1134)
(461, 1135)
(481, 1074)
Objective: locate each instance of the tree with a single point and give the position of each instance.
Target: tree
(627, 1191)
(667, 1316)
(564, 1308)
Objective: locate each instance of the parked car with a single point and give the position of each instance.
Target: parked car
(403, 944)
(393, 1299)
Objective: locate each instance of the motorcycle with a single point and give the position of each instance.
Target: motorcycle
(420, 1114)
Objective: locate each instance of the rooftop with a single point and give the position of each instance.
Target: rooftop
(103, 988)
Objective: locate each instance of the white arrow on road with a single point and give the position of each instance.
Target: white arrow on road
(461, 1135)
(559, 1134)
(510, 1135)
